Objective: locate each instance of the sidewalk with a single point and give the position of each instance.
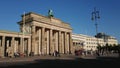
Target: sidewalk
(49, 61)
(32, 58)
(62, 57)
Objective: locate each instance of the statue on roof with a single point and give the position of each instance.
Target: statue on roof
(50, 13)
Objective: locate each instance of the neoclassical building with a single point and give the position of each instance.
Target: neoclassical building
(39, 35)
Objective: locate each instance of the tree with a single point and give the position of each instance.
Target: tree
(99, 48)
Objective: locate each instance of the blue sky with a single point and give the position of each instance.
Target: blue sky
(75, 12)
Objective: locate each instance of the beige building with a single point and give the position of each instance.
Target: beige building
(90, 43)
(41, 34)
(78, 41)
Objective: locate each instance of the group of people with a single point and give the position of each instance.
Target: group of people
(56, 53)
(16, 54)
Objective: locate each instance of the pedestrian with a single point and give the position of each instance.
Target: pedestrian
(75, 52)
(97, 53)
(58, 54)
(55, 53)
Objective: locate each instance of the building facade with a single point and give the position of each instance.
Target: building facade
(78, 41)
(90, 43)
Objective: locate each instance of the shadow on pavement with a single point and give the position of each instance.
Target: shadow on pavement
(77, 62)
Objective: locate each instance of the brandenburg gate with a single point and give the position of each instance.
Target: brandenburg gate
(47, 34)
(39, 35)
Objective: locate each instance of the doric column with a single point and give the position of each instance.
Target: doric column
(43, 40)
(3, 46)
(12, 46)
(70, 43)
(21, 45)
(15, 46)
(60, 46)
(65, 43)
(33, 38)
(39, 42)
(51, 41)
(56, 41)
(29, 45)
(26, 47)
(47, 42)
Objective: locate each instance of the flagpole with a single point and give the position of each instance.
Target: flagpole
(23, 31)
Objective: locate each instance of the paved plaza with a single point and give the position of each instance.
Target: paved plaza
(63, 60)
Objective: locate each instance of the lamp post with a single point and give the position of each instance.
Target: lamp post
(95, 17)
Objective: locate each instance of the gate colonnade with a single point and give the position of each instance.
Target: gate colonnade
(48, 34)
(12, 42)
(38, 35)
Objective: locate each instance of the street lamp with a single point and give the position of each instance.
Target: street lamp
(95, 17)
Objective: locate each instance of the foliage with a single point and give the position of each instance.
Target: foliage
(109, 48)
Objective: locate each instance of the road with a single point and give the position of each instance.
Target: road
(63, 61)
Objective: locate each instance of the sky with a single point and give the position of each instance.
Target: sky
(75, 12)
